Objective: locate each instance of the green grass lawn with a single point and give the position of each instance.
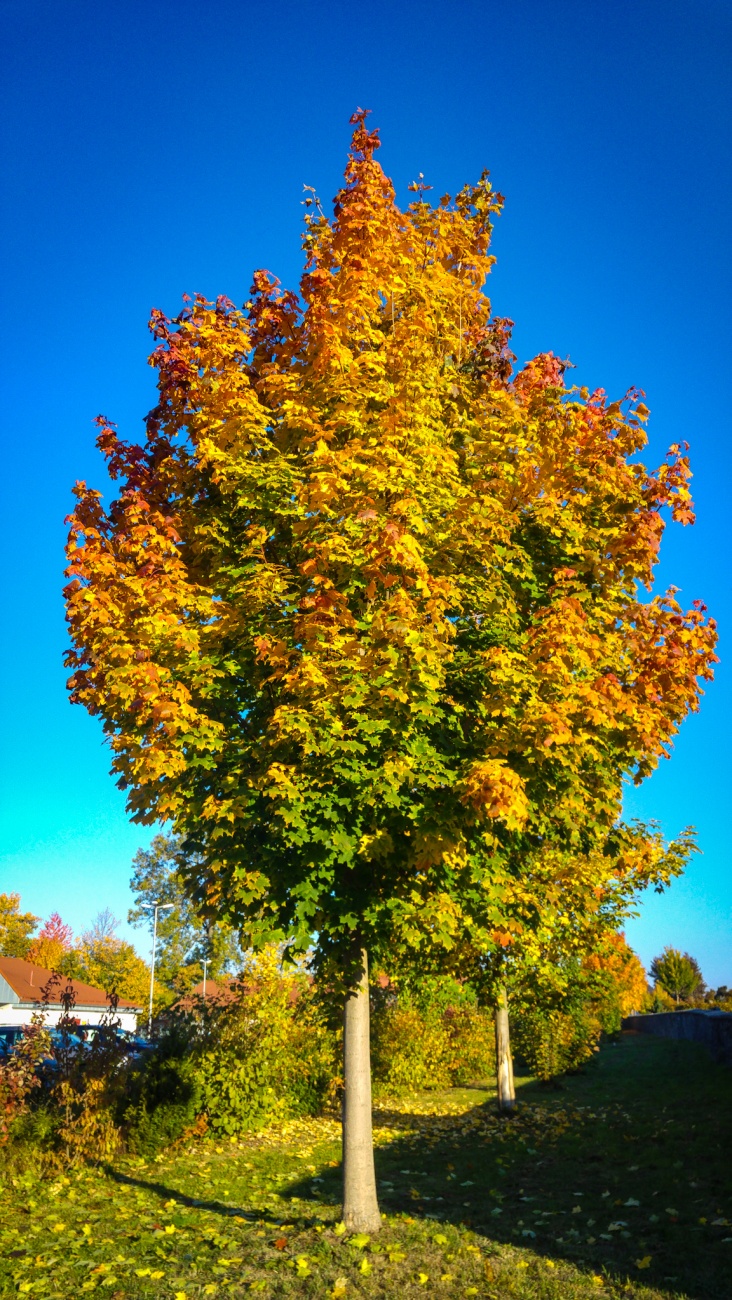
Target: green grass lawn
(616, 1184)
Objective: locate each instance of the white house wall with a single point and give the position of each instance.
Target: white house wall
(17, 1015)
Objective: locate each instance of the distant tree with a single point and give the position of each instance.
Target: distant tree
(51, 944)
(622, 972)
(104, 925)
(16, 927)
(184, 940)
(678, 974)
(102, 959)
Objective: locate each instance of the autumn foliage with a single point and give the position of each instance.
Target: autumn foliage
(623, 971)
(363, 621)
(51, 944)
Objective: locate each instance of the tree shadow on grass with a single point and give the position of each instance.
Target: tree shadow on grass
(612, 1172)
(226, 1211)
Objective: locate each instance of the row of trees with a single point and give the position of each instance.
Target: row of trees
(364, 621)
(678, 975)
(98, 956)
(609, 976)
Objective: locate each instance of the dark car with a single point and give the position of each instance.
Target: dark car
(10, 1036)
(112, 1039)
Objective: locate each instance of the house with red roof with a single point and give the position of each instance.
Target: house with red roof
(26, 988)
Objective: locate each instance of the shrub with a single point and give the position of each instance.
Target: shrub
(429, 1035)
(555, 1040)
(163, 1099)
(19, 1076)
(87, 1126)
(267, 1054)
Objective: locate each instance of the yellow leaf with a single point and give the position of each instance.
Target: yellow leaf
(158, 1272)
(645, 1262)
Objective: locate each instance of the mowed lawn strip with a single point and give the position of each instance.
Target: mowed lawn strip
(615, 1184)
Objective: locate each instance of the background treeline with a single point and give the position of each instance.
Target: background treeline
(100, 957)
(265, 1048)
(263, 1045)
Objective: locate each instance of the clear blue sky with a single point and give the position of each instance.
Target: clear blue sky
(157, 147)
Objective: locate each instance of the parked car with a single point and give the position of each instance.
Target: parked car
(10, 1036)
(129, 1046)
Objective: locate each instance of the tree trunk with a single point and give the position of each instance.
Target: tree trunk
(360, 1206)
(505, 1090)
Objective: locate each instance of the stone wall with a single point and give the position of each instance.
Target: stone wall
(711, 1028)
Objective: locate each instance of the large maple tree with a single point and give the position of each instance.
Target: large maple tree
(363, 621)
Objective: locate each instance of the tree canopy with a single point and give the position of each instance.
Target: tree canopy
(183, 940)
(363, 622)
(16, 927)
(678, 974)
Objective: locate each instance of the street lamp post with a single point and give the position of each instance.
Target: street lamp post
(158, 907)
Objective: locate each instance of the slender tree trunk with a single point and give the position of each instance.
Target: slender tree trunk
(360, 1206)
(505, 1091)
